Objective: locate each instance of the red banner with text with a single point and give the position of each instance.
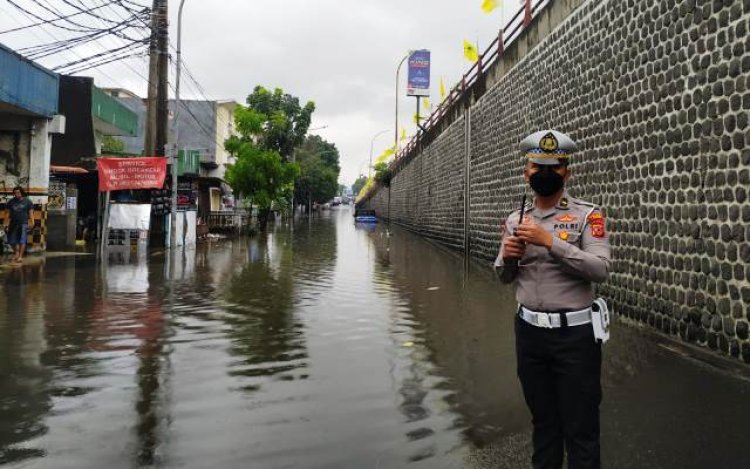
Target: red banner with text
(118, 174)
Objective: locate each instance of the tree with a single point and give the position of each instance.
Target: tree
(317, 181)
(112, 145)
(319, 170)
(383, 174)
(358, 185)
(269, 129)
(262, 177)
(284, 123)
(316, 145)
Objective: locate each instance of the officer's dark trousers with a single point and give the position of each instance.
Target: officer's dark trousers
(560, 373)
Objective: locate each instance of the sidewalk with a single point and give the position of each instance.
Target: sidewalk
(36, 259)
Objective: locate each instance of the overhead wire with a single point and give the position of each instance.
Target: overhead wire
(47, 21)
(67, 45)
(92, 35)
(96, 56)
(67, 51)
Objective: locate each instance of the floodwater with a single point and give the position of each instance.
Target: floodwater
(322, 345)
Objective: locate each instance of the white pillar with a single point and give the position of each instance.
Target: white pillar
(39, 159)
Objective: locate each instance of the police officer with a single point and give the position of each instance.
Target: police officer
(553, 256)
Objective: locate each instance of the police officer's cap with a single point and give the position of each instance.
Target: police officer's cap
(548, 147)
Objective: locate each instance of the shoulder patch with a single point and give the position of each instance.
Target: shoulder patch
(596, 224)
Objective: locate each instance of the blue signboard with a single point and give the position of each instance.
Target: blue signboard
(419, 74)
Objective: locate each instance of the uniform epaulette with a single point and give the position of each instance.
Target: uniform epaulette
(527, 209)
(582, 202)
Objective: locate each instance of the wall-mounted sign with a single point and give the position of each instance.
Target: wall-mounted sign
(56, 195)
(116, 174)
(419, 74)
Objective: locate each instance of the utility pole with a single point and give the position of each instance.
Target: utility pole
(157, 113)
(157, 102)
(176, 132)
(162, 111)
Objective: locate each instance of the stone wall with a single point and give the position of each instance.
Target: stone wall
(657, 94)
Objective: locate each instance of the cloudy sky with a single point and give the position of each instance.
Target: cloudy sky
(342, 54)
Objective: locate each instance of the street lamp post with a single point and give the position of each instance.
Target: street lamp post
(372, 147)
(398, 73)
(176, 129)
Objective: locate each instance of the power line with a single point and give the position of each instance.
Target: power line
(105, 62)
(93, 35)
(71, 52)
(97, 56)
(48, 21)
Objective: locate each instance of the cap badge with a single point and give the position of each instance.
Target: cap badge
(548, 143)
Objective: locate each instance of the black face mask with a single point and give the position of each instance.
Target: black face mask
(546, 182)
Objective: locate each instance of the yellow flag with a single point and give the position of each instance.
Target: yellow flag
(403, 134)
(442, 89)
(426, 104)
(416, 118)
(388, 152)
(470, 51)
(489, 5)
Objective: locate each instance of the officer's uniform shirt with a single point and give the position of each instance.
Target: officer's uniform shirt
(562, 277)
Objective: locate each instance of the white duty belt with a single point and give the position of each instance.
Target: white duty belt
(597, 316)
(553, 320)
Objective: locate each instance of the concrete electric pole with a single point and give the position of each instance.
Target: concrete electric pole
(157, 102)
(176, 133)
(157, 112)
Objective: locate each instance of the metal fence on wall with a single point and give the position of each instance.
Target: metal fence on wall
(505, 37)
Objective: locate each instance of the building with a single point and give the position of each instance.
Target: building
(91, 116)
(29, 118)
(203, 128)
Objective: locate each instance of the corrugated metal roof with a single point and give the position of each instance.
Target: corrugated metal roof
(26, 85)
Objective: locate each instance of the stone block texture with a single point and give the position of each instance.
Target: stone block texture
(657, 95)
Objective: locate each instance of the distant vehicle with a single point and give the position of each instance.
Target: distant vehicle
(365, 216)
(336, 201)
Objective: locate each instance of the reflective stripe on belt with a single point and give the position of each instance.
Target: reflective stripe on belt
(552, 320)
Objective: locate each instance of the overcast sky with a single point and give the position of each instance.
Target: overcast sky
(342, 54)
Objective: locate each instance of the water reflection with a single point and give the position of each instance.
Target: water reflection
(266, 337)
(24, 400)
(461, 328)
(317, 345)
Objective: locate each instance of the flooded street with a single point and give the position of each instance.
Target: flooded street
(324, 345)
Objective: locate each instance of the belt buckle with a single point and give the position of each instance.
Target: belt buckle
(544, 320)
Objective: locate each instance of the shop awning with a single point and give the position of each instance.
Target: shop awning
(67, 170)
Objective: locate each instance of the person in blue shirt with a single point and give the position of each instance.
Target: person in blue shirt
(21, 215)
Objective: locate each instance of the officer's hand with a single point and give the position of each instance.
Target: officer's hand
(513, 248)
(530, 232)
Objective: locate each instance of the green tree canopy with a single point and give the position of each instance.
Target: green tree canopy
(112, 145)
(319, 170)
(383, 174)
(261, 176)
(358, 185)
(282, 121)
(269, 128)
